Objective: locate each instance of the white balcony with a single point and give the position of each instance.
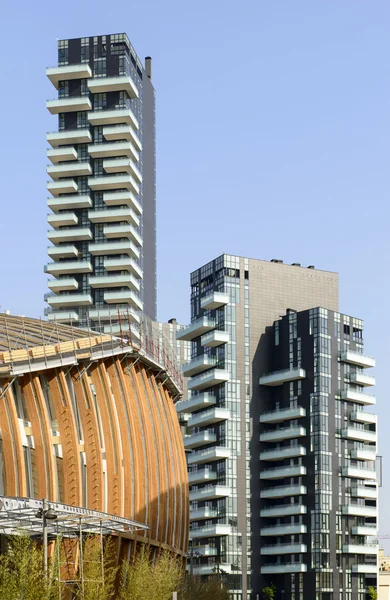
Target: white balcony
(112, 314)
(68, 72)
(123, 231)
(122, 165)
(215, 569)
(280, 569)
(73, 234)
(195, 403)
(282, 472)
(366, 453)
(107, 248)
(358, 473)
(215, 338)
(359, 397)
(113, 215)
(283, 529)
(284, 433)
(357, 510)
(209, 455)
(279, 549)
(284, 452)
(284, 491)
(210, 531)
(68, 284)
(211, 492)
(283, 510)
(362, 379)
(69, 266)
(360, 548)
(113, 117)
(355, 358)
(114, 281)
(64, 186)
(123, 132)
(283, 414)
(360, 435)
(201, 514)
(121, 83)
(122, 198)
(365, 569)
(364, 491)
(367, 530)
(69, 137)
(69, 202)
(198, 365)
(57, 155)
(113, 182)
(208, 379)
(360, 416)
(62, 252)
(113, 149)
(62, 220)
(202, 438)
(195, 329)
(123, 264)
(283, 376)
(122, 328)
(201, 476)
(124, 297)
(206, 550)
(214, 300)
(61, 316)
(72, 169)
(71, 104)
(70, 300)
(209, 417)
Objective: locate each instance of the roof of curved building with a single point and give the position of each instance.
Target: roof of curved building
(28, 344)
(17, 333)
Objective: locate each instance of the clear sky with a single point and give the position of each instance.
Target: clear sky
(272, 142)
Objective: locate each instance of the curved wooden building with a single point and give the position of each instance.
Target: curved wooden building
(89, 421)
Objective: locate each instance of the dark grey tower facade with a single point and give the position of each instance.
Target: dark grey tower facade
(103, 185)
(318, 489)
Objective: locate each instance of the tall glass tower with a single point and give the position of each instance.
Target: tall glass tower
(256, 432)
(102, 185)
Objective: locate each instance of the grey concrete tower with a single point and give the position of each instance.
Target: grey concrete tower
(103, 185)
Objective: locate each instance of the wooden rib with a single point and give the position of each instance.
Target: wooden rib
(113, 369)
(150, 454)
(114, 470)
(17, 442)
(92, 442)
(69, 438)
(11, 474)
(141, 494)
(41, 428)
(162, 487)
(169, 463)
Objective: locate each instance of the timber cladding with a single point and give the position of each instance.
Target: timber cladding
(103, 435)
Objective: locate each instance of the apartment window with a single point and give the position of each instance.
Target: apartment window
(98, 135)
(63, 89)
(61, 122)
(82, 120)
(84, 87)
(99, 101)
(100, 67)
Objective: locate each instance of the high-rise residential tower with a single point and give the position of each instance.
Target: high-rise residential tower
(102, 187)
(253, 453)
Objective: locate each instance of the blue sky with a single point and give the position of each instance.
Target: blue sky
(272, 142)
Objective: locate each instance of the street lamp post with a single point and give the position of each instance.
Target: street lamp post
(46, 513)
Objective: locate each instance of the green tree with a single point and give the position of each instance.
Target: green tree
(97, 571)
(22, 575)
(193, 588)
(372, 593)
(151, 577)
(269, 592)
